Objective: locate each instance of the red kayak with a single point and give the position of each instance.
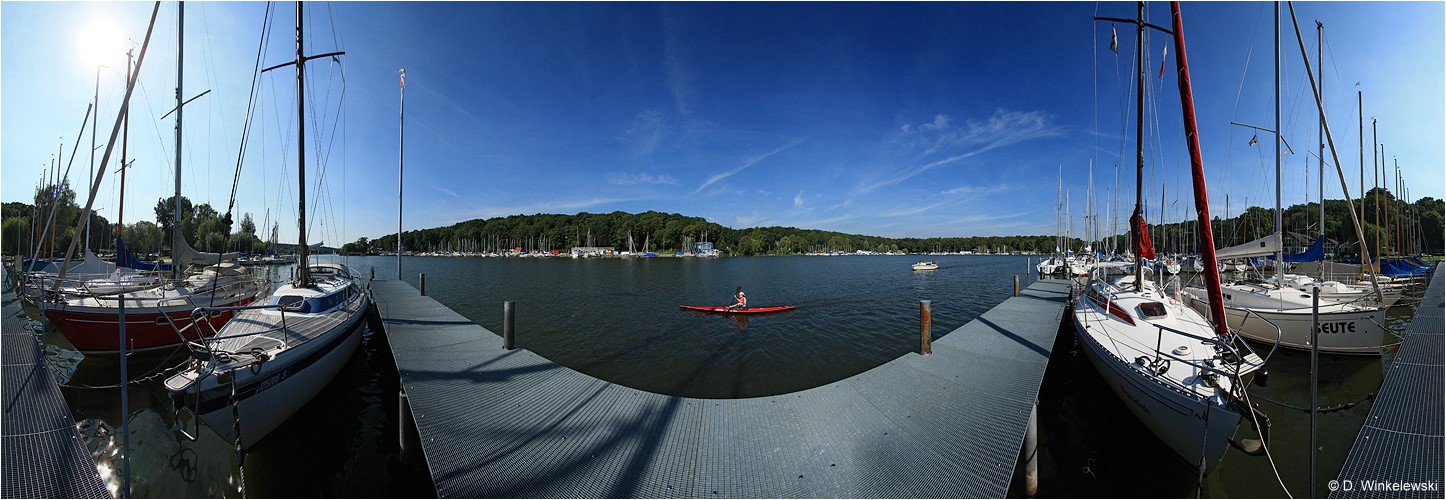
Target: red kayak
(751, 310)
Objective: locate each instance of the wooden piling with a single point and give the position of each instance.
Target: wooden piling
(925, 334)
(1016, 285)
(422, 285)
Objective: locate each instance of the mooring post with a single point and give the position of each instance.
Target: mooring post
(1314, 376)
(1031, 455)
(373, 276)
(925, 336)
(423, 283)
(509, 325)
(1016, 285)
(404, 423)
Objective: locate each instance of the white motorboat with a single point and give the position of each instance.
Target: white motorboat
(1050, 266)
(926, 265)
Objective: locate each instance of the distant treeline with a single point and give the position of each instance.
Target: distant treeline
(1401, 228)
(24, 228)
(668, 233)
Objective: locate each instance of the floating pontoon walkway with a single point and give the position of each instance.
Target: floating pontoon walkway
(41, 452)
(505, 424)
(1399, 452)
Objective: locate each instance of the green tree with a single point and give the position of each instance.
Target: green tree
(143, 237)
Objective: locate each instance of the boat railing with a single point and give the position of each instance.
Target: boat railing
(215, 337)
(1235, 333)
(1226, 350)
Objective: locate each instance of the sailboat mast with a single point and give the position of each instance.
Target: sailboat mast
(1139, 144)
(176, 234)
(303, 277)
(401, 145)
(1375, 169)
(1320, 137)
(125, 139)
(1279, 224)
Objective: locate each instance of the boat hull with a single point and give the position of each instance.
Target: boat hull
(97, 330)
(1355, 332)
(267, 397)
(1182, 423)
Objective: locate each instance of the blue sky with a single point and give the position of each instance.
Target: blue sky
(926, 119)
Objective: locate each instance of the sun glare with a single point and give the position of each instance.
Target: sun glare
(100, 43)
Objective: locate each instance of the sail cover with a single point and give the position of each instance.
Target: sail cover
(1258, 248)
(124, 258)
(1314, 253)
(183, 253)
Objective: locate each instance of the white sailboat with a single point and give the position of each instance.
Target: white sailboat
(1177, 372)
(271, 359)
(156, 315)
(1257, 309)
(1275, 312)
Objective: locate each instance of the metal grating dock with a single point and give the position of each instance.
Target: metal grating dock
(1401, 450)
(509, 424)
(41, 452)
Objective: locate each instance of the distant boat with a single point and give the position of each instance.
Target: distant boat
(926, 265)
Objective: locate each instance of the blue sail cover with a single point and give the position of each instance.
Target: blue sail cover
(124, 258)
(1314, 253)
(1399, 267)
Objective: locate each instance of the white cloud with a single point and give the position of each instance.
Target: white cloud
(975, 190)
(635, 178)
(444, 190)
(746, 163)
(798, 200)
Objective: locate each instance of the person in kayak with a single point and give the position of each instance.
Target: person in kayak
(741, 301)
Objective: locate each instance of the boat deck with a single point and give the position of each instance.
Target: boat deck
(42, 455)
(507, 424)
(1399, 452)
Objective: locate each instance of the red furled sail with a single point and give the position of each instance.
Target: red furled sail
(1143, 247)
(1197, 172)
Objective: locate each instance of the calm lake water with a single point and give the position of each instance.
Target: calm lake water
(618, 319)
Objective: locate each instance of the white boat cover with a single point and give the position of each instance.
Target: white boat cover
(1258, 248)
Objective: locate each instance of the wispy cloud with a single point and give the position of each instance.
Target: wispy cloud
(975, 190)
(644, 135)
(976, 137)
(798, 200)
(636, 178)
(444, 190)
(746, 163)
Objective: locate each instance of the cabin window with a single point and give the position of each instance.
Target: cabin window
(291, 302)
(1152, 310)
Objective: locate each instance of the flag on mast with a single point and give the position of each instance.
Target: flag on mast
(1114, 40)
(1164, 51)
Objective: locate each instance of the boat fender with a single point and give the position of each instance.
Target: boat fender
(1262, 378)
